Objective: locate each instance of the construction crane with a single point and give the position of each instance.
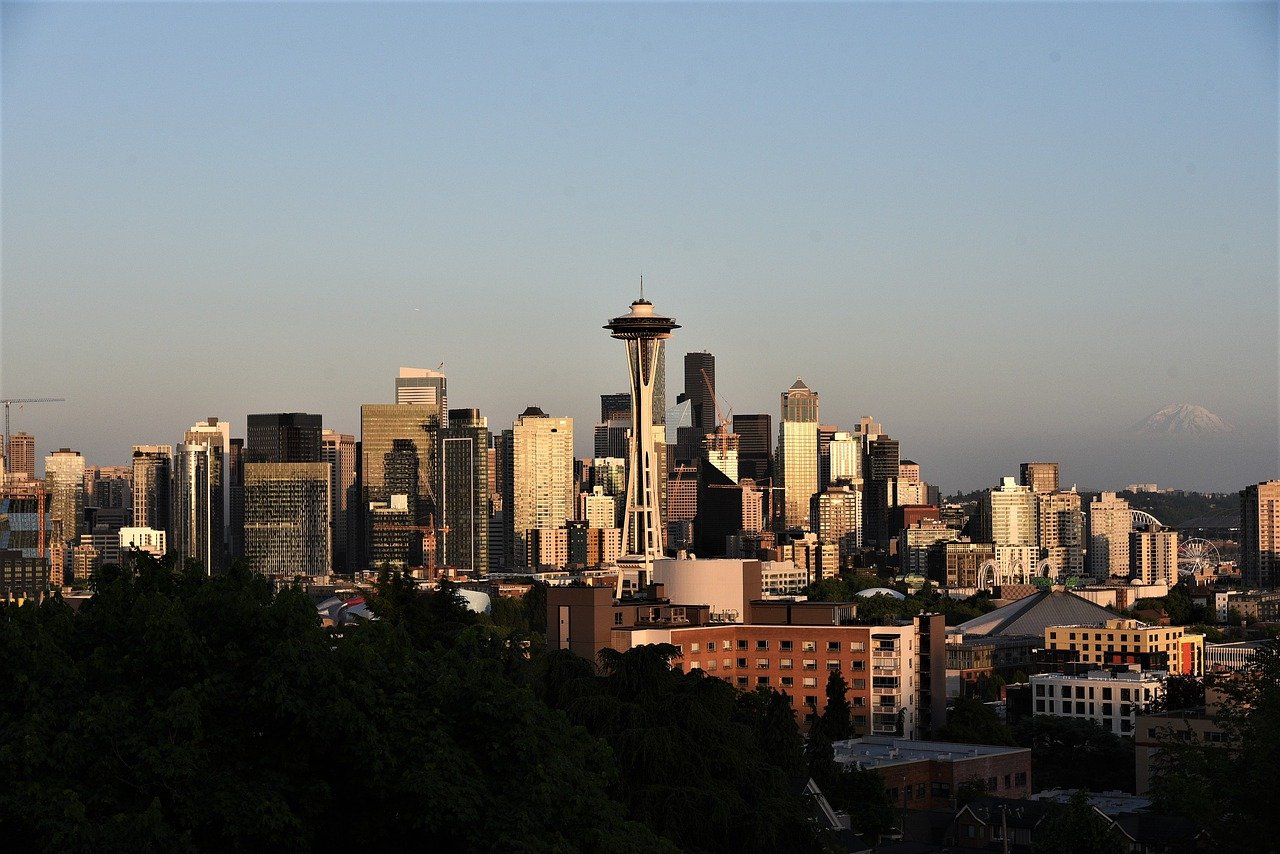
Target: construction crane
(20, 401)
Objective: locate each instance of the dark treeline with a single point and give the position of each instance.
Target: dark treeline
(179, 712)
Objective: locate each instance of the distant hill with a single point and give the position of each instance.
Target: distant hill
(1182, 420)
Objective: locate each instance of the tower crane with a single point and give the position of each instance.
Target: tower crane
(20, 401)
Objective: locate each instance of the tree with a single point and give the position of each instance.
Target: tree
(969, 721)
(1076, 753)
(837, 721)
(1228, 786)
(1076, 828)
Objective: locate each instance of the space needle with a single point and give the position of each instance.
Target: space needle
(642, 532)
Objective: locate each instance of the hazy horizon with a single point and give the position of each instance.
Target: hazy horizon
(1009, 232)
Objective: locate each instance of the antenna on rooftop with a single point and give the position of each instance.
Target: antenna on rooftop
(642, 286)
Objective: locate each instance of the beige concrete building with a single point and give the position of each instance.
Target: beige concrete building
(541, 475)
(1130, 642)
(1260, 534)
(1007, 515)
(1153, 556)
(1110, 524)
(1060, 526)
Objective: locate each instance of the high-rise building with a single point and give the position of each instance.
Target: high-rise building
(599, 510)
(397, 457)
(235, 500)
(880, 466)
(798, 453)
(462, 492)
(615, 407)
(195, 531)
(1110, 524)
(216, 433)
(845, 458)
(541, 476)
(1060, 526)
(109, 487)
(152, 477)
(283, 437)
(1041, 477)
(286, 524)
(1153, 556)
(720, 448)
(339, 451)
(755, 445)
(1260, 534)
(64, 480)
(826, 434)
(424, 387)
(837, 517)
(700, 390)
(645, 334)
(21, 458)
(1007, 515)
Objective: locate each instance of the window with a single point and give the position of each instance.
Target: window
(711, 664)
(762, 664)
(1106, 693)
(810, 682)
(1124, 694)
(1039, 705)
(811, 701)
(693, 647)
(857, 666)
(859, 702)
(1040, 690)
(742, 662)
(991, 784)
(742, 643)
(808, 646)
(762, 680)
(833, 664)
(810, 664)
(857, 646)
(1079, 692)
(617, 618)
(906, 793)
(695, 665)
(1079, 708)
(920, 790)
(788, 681)
(1020, 778)
(1053, 635)
(762, 644)
(680, 649)
(860, 684)
(1008, 781)
(940, 790)
(785, 663)
(833, 646)
(728, 663)
(1106, 710)
(785, 646)
(742, 681)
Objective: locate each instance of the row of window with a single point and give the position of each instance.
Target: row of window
(783, 645)
(1124, 638)
(1126, 694)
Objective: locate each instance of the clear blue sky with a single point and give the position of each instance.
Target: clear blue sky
(1008, 231)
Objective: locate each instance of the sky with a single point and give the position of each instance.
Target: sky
(1007, 231)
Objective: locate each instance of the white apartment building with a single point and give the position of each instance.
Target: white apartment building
(1113, 700)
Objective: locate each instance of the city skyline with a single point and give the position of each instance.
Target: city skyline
(1008, 233)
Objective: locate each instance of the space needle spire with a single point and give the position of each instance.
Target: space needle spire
(644, 332)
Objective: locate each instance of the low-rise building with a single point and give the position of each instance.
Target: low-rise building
(1129, 642)
(1113, 700)
(927, 775)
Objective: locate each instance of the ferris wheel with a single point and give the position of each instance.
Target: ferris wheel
(1197, 556)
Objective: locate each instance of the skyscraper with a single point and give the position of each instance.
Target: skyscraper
(541, 476)
(1110, 524)
(880, 467)
(423, 387)
(152, 476)
(1007, 515)
(64, 480)
(798, 453)
(642, 531)
(287, 518)
(397, 457)
(196, 522)
(846, 459)
(463, 492)
(700, 389)
(1061, 531)
(283, 437)
(615, 406)
(755, 445)
(216, 433)
(339, 451)
(1260, 534)
(1041, 477)
(21, 458)
(1153, 556)
(826, 435)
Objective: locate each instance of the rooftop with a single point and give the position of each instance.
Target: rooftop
(886, 751)
(1035, 613)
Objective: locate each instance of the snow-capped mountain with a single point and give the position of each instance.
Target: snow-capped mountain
(1183, 420)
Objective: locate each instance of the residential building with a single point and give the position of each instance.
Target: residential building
(916, 542)
(1060, 526)
(599, 510)
(64, 481)
(927, 775)
(1153, 556)
(836, 517)
(1260, 534)
(1040, 477)
(542, 476)
(150, 540)
(1118, 641)
(21, 457)
(1112, 700)
(846, 458)
(287, 518)
(956, 564)
(1110, 524)
(1007, 515)
(798, 453)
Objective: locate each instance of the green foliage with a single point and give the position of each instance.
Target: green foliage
(179, 712)
(862, 794)
(1229, 787)
(969, 721)
(837, 719)
(700, 761)
(1075, 753)
(1077, 828)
